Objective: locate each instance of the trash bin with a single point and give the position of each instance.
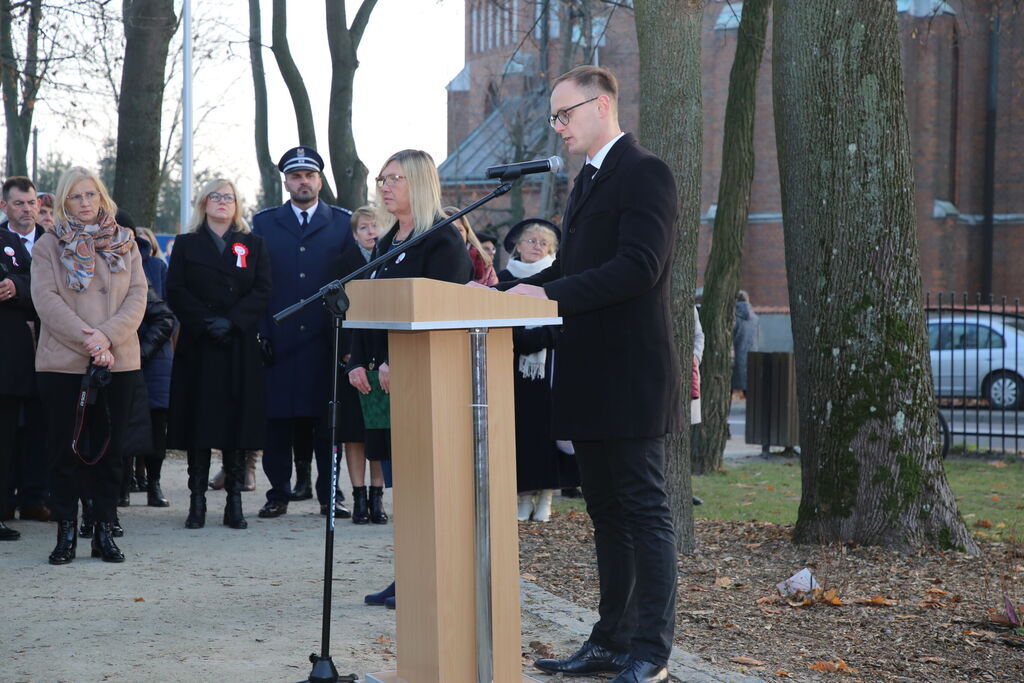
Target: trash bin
(772, 415)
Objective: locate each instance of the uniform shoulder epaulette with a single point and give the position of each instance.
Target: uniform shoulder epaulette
(342, 209)
(266, 210)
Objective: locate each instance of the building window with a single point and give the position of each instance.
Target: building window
(552, 18)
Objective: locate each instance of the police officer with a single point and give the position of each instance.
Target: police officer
(305, 237)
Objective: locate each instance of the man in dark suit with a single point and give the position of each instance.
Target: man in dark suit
(305, 237)
(617, 383)
(19, 202)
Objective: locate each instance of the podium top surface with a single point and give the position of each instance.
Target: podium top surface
(423, 304)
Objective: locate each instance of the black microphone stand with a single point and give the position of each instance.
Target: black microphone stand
(336, 301)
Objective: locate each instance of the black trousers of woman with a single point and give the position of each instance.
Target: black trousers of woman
(71, 476)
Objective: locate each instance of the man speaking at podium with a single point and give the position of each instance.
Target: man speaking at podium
(616, 382)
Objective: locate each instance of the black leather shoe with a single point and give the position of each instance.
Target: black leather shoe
(589, 659)
(272, 508)
(360, 506)
(340, 511)
(8, 534)
(639, 671)
(67, 541)
(233, 512)
(103, 545)
(377, 514)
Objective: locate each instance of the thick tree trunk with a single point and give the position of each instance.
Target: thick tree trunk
(349, 171)
(722, 277)
(870, 465)
(671, 126)
(296, 87)
(270, 177)
(148, 27)
(19, 86)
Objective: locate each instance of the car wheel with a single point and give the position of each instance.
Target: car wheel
(1003, 391)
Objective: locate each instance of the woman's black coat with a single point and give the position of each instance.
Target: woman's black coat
(441, 256)
(217, 394)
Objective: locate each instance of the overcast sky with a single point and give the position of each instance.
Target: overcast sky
(410, 50)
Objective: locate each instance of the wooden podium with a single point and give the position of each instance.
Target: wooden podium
(456, 535)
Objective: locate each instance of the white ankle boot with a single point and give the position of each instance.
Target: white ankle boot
(542, 512)
(525, 507)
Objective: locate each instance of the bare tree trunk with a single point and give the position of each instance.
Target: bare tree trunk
(148, 27)
(19, 88)
(349, 171)
(552, 143)
(671, 125)
(270, 177)
(722, 277)
(871, 470)
(296, 87)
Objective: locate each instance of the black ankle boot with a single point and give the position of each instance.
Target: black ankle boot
(141, 480)
(377, 514)
(87, 519)
(67, 541)
(103, 545)
(198, 476)
(233, 512)
(154, 496)
(360, 506)
(303, 489)
(234, 480)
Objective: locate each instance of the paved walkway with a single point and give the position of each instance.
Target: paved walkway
(223, 605)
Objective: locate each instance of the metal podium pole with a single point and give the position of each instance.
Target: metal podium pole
(484, 633)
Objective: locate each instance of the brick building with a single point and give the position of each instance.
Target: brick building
(497, 108)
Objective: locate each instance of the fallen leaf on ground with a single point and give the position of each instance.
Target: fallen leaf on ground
(832, 667)
(995, 498)
(928, 659)
(782, 673)
(747, 661)
(983, 523)
(723, 582)
(997, 463)
(140, 599)
(876, 601)
(530, 577)
(542, 649)
(831, 598)
(936, 591)
(766, 600)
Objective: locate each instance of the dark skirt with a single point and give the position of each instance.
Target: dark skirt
(350, 413)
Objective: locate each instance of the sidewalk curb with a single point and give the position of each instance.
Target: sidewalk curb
(578, 620)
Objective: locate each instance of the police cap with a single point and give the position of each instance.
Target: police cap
(301, 159)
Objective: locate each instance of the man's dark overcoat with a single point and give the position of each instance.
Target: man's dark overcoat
(302, 261)
(217, 390)
(616, 374)
(17, 349)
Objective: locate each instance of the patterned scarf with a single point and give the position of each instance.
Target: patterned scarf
(531, 365)
(82, 242)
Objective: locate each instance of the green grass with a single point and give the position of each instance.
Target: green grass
(770, 492)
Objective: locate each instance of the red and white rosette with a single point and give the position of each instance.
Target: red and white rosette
(240, 251)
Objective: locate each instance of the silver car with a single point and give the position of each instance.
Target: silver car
(978, 356)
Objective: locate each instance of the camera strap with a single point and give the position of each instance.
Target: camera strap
(86, 398)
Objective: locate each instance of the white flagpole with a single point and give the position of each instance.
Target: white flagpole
(186, 116)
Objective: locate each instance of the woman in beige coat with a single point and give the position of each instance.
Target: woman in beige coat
(89, 290)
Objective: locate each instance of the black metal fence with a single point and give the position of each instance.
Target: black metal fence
(976, 346)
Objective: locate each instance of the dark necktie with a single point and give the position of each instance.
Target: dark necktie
(583, 181)
(305, 219)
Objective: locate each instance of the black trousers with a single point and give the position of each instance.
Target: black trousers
(71, 477)
(282, 435)
(623, 484)
(10, 410)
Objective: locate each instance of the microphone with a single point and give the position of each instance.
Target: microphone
(513, 171)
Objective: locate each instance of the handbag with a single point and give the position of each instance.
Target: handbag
(376, 405)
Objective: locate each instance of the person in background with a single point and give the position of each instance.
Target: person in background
(305, 237)
(45, 211)
(89, 290)
(367, 505)
(489, 245)
(409, 202)
(20, 203)
(218, 286)
(541, 466)
(744, 340)
(483, 263)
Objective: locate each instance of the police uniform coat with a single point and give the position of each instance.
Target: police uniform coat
(616, 372)
(302, 261)
(17, 348)
(217, 391)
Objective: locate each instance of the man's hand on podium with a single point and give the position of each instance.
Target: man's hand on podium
(529, 290)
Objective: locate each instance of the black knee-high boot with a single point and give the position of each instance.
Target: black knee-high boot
(234, 481)
(155, 462)
(198, 474)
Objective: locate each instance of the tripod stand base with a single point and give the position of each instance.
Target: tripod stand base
(324, 671)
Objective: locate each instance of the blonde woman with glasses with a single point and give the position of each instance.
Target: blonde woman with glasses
(218, 286)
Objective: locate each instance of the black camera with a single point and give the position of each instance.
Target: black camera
(95, 377)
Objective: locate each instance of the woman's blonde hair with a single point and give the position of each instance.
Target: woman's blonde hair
(72, 177)
(471, 237)
(544, 230)
(238, 223)
(420, 173)
(366, 211)
(148, 235)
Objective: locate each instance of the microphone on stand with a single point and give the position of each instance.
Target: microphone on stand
(513, 171)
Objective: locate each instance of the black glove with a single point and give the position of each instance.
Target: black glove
(218, 329)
